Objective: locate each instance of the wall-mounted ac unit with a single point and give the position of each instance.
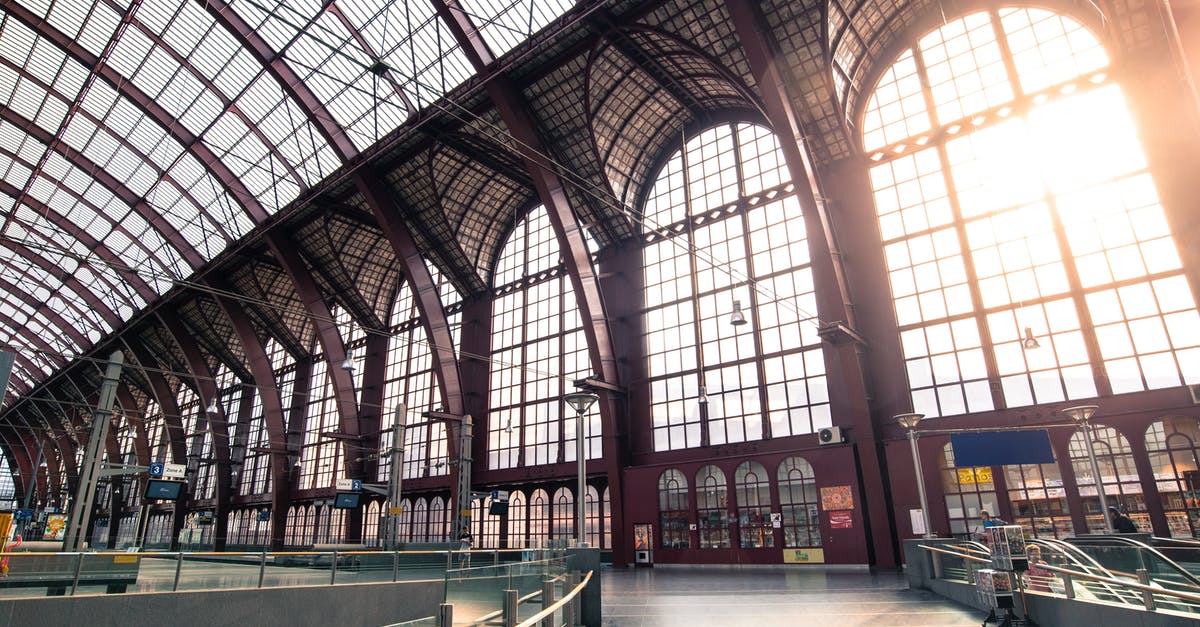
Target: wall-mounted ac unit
(830, 435)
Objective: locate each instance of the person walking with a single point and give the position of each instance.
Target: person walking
(1120, 522)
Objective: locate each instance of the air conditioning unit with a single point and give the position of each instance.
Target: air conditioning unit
(1194, 388)
(831, 435)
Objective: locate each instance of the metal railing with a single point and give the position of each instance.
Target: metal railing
(1084, 581)
(25, 574)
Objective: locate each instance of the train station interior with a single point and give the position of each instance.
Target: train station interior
(690, 282)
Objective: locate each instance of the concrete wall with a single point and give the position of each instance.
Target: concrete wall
(368, 604)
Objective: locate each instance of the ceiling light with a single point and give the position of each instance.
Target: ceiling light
(736, 318)
(1030, 342)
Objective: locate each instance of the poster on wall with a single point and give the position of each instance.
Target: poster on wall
(843, 519)
(837, 497)
(56, 527)
(804, 556)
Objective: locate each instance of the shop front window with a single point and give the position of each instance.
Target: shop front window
(712, 508)
(1038, 500)
(673, 510)
(798, 503)
(1118, 475)
(1171, 446)
(753, 491)
(968, 492)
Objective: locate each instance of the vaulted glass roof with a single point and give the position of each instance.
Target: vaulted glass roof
(140, 140)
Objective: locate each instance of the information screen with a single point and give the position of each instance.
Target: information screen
(162, 490)
(347, 500)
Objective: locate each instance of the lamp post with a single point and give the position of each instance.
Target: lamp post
(1082, 414)
(909, 421)
(581, 402)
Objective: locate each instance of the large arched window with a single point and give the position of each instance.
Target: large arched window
(1016, 209)
(538, 350)
(1118, 475)
(1173, 445)
(752, 491)
(712, 508)
(674, 512)
(798, 503)
(722, 224)
(412, 380)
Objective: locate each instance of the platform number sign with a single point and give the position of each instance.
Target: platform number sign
(156, 469)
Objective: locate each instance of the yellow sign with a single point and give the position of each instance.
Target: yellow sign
(982, 474)
(804, 556)
(125, 559)
(5, 527)
(395, 511)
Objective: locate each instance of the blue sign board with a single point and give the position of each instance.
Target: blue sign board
(156, 469)
(23, 514)
(1000, 448)
(356, 485)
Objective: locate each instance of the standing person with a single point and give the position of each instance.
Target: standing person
(988, 523)
(1122, 523)
(466, 541)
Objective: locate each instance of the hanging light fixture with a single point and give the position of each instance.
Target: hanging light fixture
(1030, 342)
(348, 364)
(736, 318)
(212, 409)
(508, 428)
(703, 397)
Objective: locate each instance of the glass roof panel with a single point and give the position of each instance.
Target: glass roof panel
(504, 24)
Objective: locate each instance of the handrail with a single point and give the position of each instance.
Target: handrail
(955, 554)
(1141, 546)
(1187, 596)
(483, 620)
(567, 598)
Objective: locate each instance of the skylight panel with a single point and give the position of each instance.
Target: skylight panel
(504, 23)
(8, 82)
(44, 61)
(53, 112)
(102, 22)
(27, 99)
(129, 54)
(69, 17)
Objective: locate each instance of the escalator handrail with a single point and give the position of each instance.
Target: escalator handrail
(1181, 571)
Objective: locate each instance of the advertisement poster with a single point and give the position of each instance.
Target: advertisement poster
(804, 556)
(836, 497)
(841, 520)
(56, 527)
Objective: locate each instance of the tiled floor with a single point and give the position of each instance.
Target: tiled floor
(767, 596)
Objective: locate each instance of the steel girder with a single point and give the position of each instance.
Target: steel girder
(281, 450)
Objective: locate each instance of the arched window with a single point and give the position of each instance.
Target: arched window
(752, 489)
(406, 528)
(487, 535)
(1022, 230)
(1172, 444)
(606, 501)
(539, 518)
(968, 491)
(1118, 475)
(563, 525)
(370, 524)
(294, 523)
(723, 225)
(712, 508)
(674, 511)
(596, 518)
(1038, 500)
(438, 528)
(798, 503)
(538, 349)
(518, 536)
(423, 517)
